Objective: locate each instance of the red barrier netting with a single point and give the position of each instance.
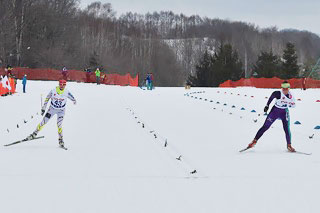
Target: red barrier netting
(74, 75)
(272, 83)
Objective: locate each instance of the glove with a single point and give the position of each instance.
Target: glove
(42, 111)
(75, 102)
(266, 108)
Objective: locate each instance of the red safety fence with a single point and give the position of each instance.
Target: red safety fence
(272, 83)
(73, 75)
(4, 89)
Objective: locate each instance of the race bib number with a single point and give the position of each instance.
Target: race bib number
(58, 103)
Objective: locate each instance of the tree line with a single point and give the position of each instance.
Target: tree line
(224, 64)
(57, 33)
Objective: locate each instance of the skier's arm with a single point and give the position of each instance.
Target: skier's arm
(70, 96)
(46, 100)
(43, 109)
(275, 94)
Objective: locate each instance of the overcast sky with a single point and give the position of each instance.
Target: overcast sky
(294, 14)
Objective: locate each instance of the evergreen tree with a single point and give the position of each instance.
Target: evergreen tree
(290, 68)
(214, 70)
(267, 65)
(202, 76)
(226, 65)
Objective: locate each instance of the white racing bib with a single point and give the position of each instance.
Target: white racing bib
(58, 101)
(285, 102)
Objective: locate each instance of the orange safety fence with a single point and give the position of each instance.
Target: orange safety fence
(74, 75)
(272, 83)
(4, 90)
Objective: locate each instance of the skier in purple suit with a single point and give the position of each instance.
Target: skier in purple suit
(280, 110)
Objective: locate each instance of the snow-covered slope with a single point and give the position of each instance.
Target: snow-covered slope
(189, 51)
(124, 144)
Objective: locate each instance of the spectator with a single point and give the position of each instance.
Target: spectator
(24, 82)
(9, 71)
(151, 81)
(304, 83)
(98, 73)
(64, 73)
(88, 73)
(147, 80)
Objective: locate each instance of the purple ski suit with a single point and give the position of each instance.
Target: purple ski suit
(279, 111)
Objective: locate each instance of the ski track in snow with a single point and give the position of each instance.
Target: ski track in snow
(114, 164)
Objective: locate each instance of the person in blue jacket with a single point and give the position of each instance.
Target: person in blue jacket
(24, 82)
(149, 81)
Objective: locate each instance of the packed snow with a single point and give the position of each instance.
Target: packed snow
(167, 150)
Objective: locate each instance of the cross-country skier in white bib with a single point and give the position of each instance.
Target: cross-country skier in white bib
(58, 96)
(280, 111)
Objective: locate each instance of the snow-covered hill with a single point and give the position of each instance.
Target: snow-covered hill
(133, 150)
(189, 51)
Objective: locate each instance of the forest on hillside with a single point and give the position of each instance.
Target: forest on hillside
(57, 33)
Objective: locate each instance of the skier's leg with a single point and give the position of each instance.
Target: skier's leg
(60, 117)
(268, 122)
(45, 120)
(286, 126)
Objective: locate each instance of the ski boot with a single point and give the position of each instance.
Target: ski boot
(32, 136)
(252, 144)
(290, 148)
(61, 144)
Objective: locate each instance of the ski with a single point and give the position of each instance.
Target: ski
(302, 153)
(63, 147)
(24, 140)
(245, 149)
(297, 152)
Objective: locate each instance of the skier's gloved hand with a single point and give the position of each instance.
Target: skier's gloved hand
(74, 102)
(42, 111)
(266, 108)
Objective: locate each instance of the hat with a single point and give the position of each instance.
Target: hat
(285, 85)
(62, 81)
